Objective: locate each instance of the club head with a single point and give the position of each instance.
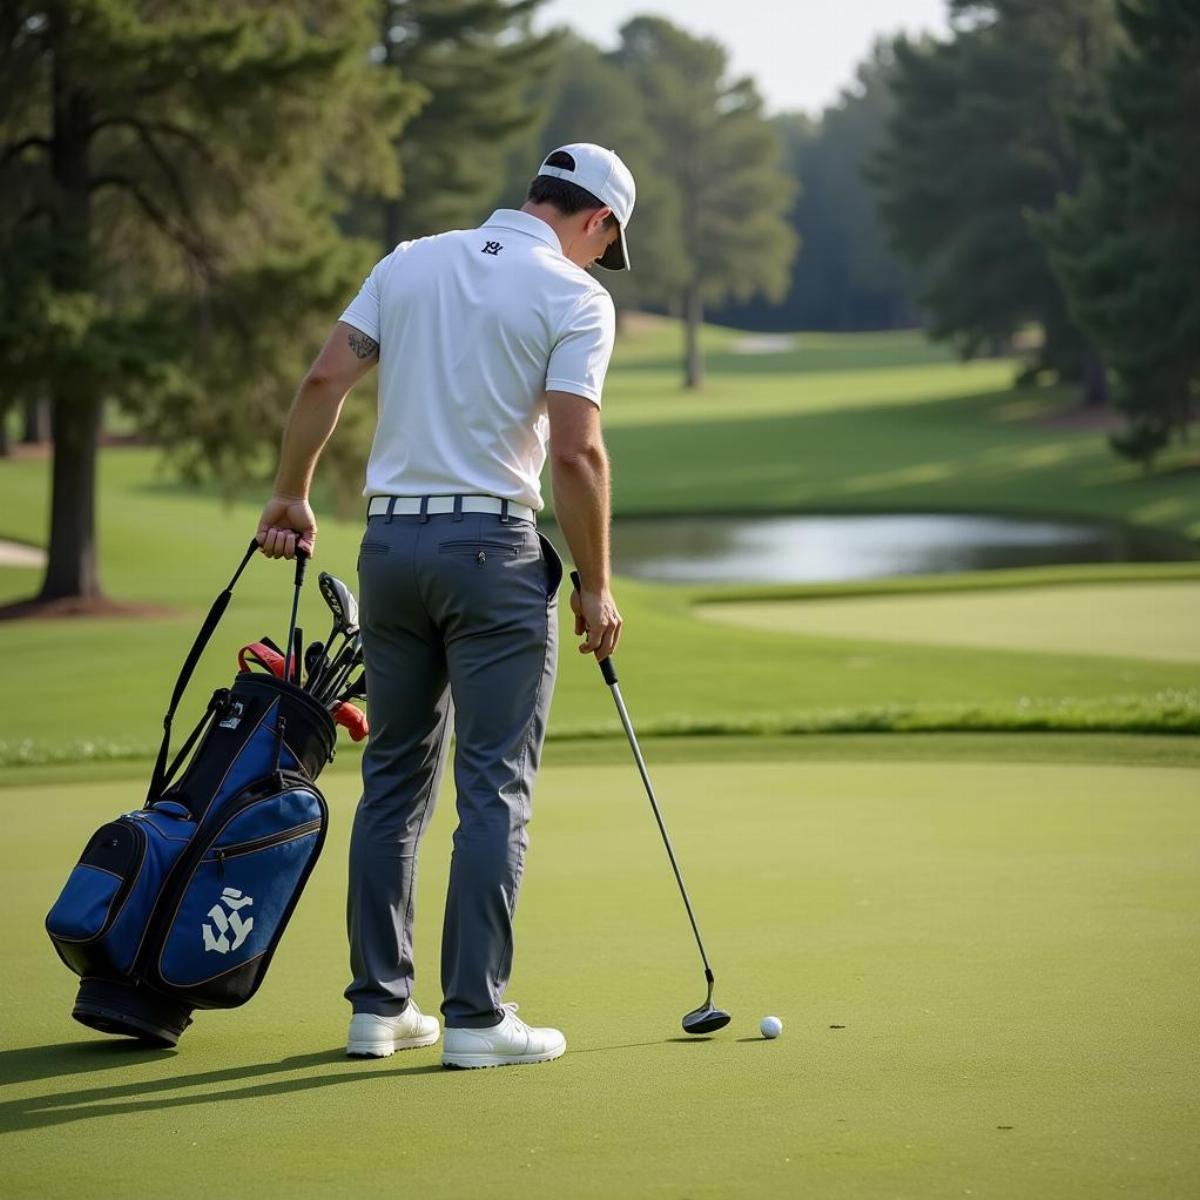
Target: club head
(341, 601)
(705, 1019)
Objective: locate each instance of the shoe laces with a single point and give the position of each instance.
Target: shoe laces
(511, 1010)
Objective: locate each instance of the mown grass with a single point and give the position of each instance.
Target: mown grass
(985, 973)
(930, 918)
(877, 409)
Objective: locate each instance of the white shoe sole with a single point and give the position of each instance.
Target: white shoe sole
(381, 1049)
(473, 1062)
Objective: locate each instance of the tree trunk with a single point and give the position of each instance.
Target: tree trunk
(4, 446)
(37, 421)
(693, 316)
(1094, 386)
(73, 569)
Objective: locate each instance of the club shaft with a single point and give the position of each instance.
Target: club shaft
(287, 662)
(641, 765)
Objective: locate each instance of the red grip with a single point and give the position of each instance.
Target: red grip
(353, 720)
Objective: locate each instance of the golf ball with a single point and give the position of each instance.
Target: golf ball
(771, 1027)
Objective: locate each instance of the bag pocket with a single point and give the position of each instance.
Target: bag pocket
(97, 922)
(235, 905)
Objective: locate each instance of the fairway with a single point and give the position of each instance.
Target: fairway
(1156, 621)
(1007, 952)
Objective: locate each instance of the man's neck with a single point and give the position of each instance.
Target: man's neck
(550, 215)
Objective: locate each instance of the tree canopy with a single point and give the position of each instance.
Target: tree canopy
(166, 220)
(979, 141)
(1127, 247)
(723, 158)
(846, 276)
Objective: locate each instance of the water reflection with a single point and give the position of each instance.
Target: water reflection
(814, 549)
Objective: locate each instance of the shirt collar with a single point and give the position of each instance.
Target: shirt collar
(523, 222)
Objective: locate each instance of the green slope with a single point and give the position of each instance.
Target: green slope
(1008, 952)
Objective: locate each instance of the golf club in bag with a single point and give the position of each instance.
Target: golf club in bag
(707, 1018)
(180, 904)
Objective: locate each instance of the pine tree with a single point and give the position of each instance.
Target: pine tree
(473, 61)
(845, 276)
(979, 141)
(588, 97)
(162, 230)
(1127, 248)
(723, 158)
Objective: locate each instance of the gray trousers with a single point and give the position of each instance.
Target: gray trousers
(458, 608)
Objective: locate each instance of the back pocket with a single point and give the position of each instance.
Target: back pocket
(476, 546)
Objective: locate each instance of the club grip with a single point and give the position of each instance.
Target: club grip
(301, 564)
(606, 664)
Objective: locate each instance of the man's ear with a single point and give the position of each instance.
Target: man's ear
(596, 219)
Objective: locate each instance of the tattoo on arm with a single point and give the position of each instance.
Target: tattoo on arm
(363, 346)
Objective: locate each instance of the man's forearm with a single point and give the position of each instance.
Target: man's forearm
(582, 510)
(314, 414)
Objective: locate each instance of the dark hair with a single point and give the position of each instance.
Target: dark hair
(569, 198)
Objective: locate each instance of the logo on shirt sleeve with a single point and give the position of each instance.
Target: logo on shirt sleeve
(492, 248)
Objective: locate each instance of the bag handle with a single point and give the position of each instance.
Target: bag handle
(220, 604)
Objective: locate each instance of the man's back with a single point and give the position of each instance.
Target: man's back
(473, 327)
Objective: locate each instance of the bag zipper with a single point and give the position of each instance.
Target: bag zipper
(263, 843)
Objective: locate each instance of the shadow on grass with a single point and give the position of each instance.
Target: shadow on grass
(123, 1099)
(64, 1059)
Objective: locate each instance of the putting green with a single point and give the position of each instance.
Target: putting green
(986, 974)
(1152, 620)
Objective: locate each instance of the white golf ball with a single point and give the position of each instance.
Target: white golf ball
(770, 1027)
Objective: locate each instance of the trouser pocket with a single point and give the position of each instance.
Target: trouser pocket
(554, 568)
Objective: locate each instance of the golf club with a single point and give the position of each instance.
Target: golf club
(348, 661)
(356, 690)
(314, 656)
(344, 609)
(256, 654)
(301, 564)
(707, 1018)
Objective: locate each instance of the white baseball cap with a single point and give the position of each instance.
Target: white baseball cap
(602, 173)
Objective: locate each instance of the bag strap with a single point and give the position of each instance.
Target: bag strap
(220, 604)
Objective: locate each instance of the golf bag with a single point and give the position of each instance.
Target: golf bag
(181, 904)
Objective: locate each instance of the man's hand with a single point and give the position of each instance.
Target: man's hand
(597, 620)
(287, 521)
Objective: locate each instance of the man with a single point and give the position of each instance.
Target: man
(490, 342)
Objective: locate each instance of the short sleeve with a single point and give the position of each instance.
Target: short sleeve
(579, 360)
(363, 312)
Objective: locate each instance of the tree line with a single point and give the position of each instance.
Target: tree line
(190, 191)
(1040, 167)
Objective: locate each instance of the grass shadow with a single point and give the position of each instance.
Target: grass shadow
(123, 1099)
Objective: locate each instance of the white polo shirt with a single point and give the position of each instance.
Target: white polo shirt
(474, 327)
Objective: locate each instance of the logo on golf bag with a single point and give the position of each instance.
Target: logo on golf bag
(228, 922)
(234, 719)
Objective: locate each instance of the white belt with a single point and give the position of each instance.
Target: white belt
(411, 506)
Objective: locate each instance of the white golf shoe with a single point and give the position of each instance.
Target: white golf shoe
(373, 1036)
(508, 1044)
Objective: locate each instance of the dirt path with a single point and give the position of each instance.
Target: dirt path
(17, 554)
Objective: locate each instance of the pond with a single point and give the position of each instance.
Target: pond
(815, 549)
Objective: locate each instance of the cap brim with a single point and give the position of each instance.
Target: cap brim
(616, 257)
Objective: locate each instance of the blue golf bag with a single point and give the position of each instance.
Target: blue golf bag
(181, 904)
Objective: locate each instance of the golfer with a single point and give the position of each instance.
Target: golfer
(492, 345)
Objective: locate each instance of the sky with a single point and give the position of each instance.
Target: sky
(800, 52)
